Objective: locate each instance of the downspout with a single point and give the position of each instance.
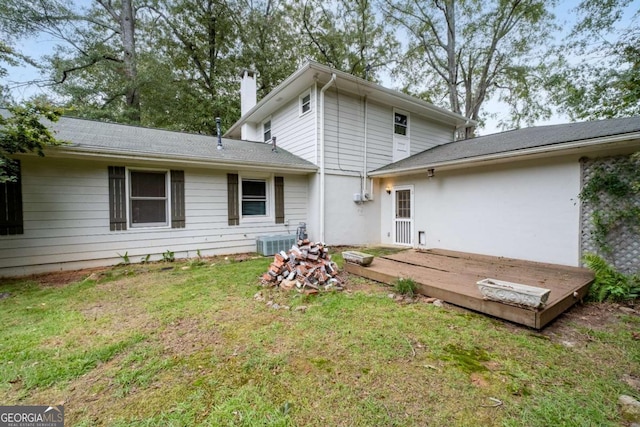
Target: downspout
(363, 184)
(322, 168)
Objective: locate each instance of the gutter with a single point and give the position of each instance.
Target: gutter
(182, 160)
(536, 152)
(444, 115)
(300, 71)
(322, 166)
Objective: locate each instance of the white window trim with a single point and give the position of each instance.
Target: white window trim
(167, 183)
(270, 205)
(305, 93)
(268, 119)
(393, 123)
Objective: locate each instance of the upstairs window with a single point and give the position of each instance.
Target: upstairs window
(254, 197)
(400, 124)
(305, 103)
(266, 130)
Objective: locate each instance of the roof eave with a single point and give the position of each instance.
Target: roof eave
(528, 153)
(271, 95)
(81, 152)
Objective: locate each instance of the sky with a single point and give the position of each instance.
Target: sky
(36, 47)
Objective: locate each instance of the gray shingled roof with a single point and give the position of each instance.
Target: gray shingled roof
(514, 141)
(111, 138)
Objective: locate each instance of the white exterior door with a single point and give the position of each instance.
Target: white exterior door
(403, 216)
(401, 139)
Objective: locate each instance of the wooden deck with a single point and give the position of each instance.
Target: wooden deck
(452, 276)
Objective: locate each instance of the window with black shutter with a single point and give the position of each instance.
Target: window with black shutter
(149, 195)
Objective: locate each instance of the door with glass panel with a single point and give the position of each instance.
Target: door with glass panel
(403, 216)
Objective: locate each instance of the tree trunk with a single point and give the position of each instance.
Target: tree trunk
(127, 34)
(449, 12)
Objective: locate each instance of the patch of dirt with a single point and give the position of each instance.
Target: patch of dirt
(478, 380)
(62, 278)
(188, 336)
(590, 316)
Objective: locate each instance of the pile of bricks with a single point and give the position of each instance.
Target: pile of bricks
(306, 266)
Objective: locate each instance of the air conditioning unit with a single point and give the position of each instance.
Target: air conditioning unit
(270, 245)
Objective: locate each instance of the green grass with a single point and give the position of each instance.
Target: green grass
(143, 345)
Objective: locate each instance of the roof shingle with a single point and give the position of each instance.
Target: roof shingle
(516, 140)
(112, 138)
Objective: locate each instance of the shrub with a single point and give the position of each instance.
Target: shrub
(610, 284)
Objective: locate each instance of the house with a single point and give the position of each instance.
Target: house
(512, 194)
(358, 163)
(348, 127)
(118, 190)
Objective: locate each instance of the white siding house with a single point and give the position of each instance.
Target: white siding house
(69, 218)
(348, 130)
(358, 163)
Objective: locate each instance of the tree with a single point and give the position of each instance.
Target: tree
(270, 41)
(349, 35)
(101, 37)
(462, 53)
(196, 43)
(22, 131)
(605, 82)
(8, 57)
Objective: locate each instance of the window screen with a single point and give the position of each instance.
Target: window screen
(266, 129)
(148, 198)
(305, 103)
(254, 197)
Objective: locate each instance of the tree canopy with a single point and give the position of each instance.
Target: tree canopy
(175, 63)
(605, 83)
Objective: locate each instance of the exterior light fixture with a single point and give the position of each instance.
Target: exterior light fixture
(431, 172)
(388, 189)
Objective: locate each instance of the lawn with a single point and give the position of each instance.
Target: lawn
(188, 343)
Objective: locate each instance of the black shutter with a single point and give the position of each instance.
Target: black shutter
(178, 216)
(11, 222)
(117, 198)
(232, 198)
(279, 195)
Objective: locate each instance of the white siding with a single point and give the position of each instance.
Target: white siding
(379, 135)
(296, 133)
(527, 210)
(66, 219)
(344, 133)
(426, 134)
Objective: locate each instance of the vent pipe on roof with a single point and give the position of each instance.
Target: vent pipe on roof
(274, 147)
(219, 133)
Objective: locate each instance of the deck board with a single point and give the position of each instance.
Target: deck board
(452, 276)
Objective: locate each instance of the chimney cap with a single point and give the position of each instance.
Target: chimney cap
(248, 72)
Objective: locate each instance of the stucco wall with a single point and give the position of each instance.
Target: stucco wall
(348, 222)
(528, 210)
